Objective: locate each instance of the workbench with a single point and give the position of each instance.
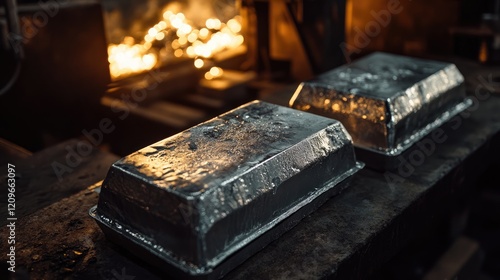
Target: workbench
(351, 236)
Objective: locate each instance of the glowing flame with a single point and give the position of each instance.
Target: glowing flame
(129, 57)
(178, 37)
(483, 52)
(215, 72)
(198, 63)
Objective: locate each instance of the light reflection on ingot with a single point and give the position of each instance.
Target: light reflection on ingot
(350, 109)
(182, 39)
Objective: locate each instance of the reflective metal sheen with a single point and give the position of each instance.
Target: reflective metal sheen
(387, 102)
(197, 197)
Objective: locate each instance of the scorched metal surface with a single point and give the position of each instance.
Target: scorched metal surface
(235, 182)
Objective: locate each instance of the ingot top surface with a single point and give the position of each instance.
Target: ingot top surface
(209, 190)
(215, 152)
(385, 76)
(382, 99)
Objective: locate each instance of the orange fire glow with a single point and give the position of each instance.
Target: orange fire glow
(129, 57)
(213, 73)
(179, 38)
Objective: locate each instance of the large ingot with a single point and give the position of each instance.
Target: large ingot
(387, 102)
(226, 186)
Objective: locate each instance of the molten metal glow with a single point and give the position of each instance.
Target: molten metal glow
(129, 58)
(179, 38)
(215, 72)
(198, 63)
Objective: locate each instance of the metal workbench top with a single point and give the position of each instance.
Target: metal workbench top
(350, 236)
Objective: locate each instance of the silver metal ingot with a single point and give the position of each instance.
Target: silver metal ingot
(386, 102)
(199, 196)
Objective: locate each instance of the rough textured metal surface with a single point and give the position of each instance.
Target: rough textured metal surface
(386, 102)
(200, 195)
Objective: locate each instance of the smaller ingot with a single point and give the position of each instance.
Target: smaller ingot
(386, 102)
